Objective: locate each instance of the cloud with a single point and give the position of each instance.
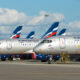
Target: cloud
(46, 17)
(55, 16)
(36, 20)
(4, 29)
(75, 24)
(58, 17)
(73, 28)
(11, 16)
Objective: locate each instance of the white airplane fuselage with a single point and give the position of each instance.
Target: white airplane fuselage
(59, 44)
(17, 46)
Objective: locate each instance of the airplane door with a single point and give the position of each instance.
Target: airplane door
(9, 45)
(62, 43)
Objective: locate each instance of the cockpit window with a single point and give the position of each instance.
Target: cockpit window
(46, 41)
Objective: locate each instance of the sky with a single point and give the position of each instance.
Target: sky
(31, 14)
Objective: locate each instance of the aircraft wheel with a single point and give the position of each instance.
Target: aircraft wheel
(10, 58)
(3, 59)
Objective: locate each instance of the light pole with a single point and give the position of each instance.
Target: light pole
(46, 16)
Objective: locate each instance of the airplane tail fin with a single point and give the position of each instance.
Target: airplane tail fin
(52, 31)
(31, 35)
(16, 33)
(62, 32)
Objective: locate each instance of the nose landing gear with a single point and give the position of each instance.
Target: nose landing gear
(50, 60)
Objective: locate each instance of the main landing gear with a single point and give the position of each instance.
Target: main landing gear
(65, 58)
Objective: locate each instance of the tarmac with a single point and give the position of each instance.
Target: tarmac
(29, 70)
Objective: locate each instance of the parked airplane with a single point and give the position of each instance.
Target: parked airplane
(59, 44)
(44, 57)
